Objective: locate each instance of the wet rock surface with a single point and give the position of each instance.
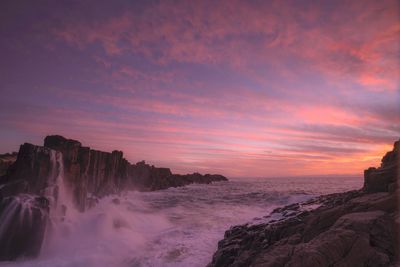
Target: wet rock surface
(23, 221)
(356, 228)
(6, 160)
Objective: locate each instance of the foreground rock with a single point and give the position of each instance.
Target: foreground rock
(23, 222)
(38, 179)
(356, 228)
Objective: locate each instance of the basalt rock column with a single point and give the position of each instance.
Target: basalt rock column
(89, 173)
(24, 211)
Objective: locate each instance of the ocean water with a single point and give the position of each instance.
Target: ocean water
(173, 227)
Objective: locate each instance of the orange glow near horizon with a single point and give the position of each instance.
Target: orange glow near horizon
(241, 88)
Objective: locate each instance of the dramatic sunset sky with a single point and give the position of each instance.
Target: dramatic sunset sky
(242, 88)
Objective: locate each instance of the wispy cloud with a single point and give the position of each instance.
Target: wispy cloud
(240, 87)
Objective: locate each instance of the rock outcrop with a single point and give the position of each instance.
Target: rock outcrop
(31, 191)
(88, 173)
(6, 160)
(150, 178)
(384, 178)
(29, 173)
(23, 222)
(357, 228)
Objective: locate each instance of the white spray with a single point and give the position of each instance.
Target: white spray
(61, 204)
(62, 209)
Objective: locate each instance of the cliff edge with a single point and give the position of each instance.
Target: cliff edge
(88, 173)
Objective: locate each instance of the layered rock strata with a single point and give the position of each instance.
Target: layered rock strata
(357, 228)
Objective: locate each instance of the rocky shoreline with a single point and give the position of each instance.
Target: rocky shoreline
(356, 228)
(36, 180)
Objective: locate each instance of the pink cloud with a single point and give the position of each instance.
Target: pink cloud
(202, 32)
(301, 90)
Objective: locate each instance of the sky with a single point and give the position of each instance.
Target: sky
(241, 88)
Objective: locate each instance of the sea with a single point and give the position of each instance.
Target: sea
(172, 227)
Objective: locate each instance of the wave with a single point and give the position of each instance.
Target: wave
(173, 227)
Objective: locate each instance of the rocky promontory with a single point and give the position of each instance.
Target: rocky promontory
(36, 179)
(88, 173)
(356, 228)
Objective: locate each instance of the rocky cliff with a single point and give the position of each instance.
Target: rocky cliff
(33, 187)
(6, 160)
(357, 228)
(88, 173)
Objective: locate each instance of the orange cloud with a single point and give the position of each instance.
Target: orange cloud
(239, 87)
